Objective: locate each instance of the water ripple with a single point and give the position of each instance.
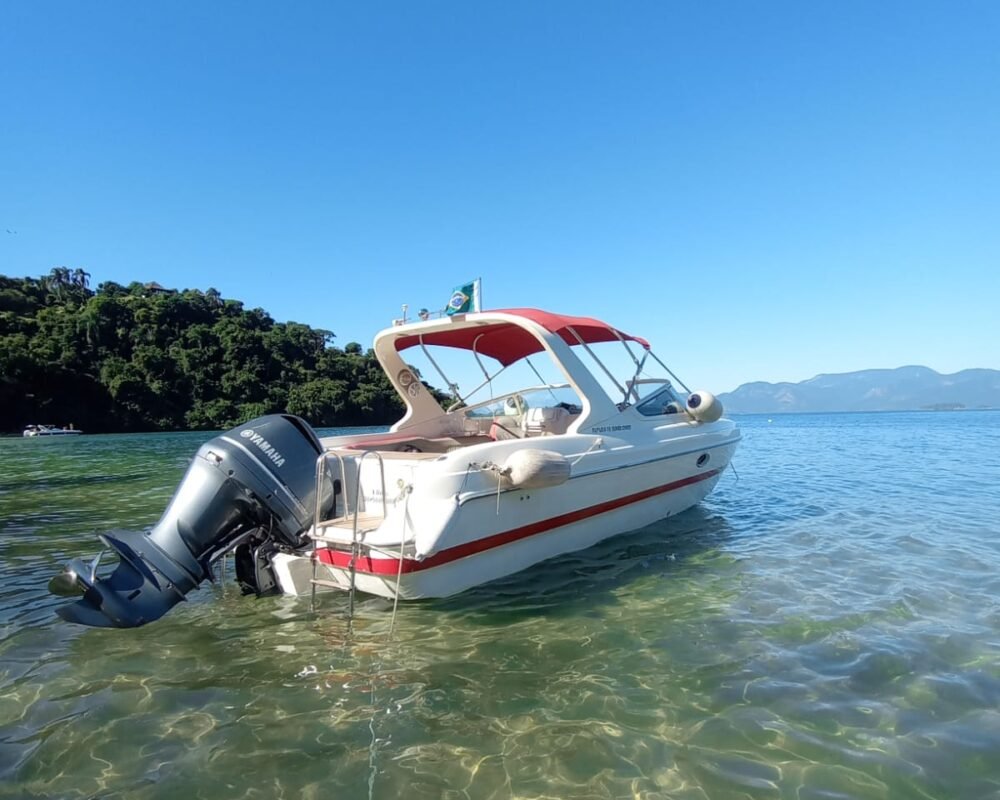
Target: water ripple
(825, 626)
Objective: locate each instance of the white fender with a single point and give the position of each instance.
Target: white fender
(535, 469)
(704, 406)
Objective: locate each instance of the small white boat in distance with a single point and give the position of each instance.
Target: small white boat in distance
(50, 430)
(560, 444)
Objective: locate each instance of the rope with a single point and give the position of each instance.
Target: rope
(597, 443)
(402, 541)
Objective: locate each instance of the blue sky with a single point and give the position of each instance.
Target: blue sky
(766, 190)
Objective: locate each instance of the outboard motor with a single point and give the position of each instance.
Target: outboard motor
(252, 488)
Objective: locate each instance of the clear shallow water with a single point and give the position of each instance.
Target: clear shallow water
(826, 626)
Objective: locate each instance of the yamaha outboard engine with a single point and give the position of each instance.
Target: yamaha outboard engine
(252, 488)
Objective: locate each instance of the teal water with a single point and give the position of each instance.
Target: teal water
(826, 625)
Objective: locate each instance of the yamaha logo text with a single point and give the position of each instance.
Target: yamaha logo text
(265, 446)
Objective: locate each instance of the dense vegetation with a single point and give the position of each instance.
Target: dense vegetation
(144, 358)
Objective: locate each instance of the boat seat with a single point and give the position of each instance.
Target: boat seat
(506, 427)
(405, 445)
(546, 421)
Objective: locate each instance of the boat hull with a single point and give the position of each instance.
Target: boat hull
(496, 537)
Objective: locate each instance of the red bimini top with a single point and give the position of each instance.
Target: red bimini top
(507, 342)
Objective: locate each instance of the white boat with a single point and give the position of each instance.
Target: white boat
(49, 430)
(455, 494)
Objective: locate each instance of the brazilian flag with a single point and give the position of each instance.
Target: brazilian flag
(461, 299)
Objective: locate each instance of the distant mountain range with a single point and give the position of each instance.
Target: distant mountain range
(901, 389)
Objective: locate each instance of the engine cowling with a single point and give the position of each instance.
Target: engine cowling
(254, 485)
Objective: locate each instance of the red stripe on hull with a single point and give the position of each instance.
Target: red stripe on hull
(390, 566)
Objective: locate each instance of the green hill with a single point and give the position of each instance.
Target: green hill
(144, 358)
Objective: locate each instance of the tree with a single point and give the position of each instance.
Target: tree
(124, 358)
(58, 281)
(80, 278)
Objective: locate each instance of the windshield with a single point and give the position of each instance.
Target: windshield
(516, 403)
(484, 387)
(481, 387)
(662, 400)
